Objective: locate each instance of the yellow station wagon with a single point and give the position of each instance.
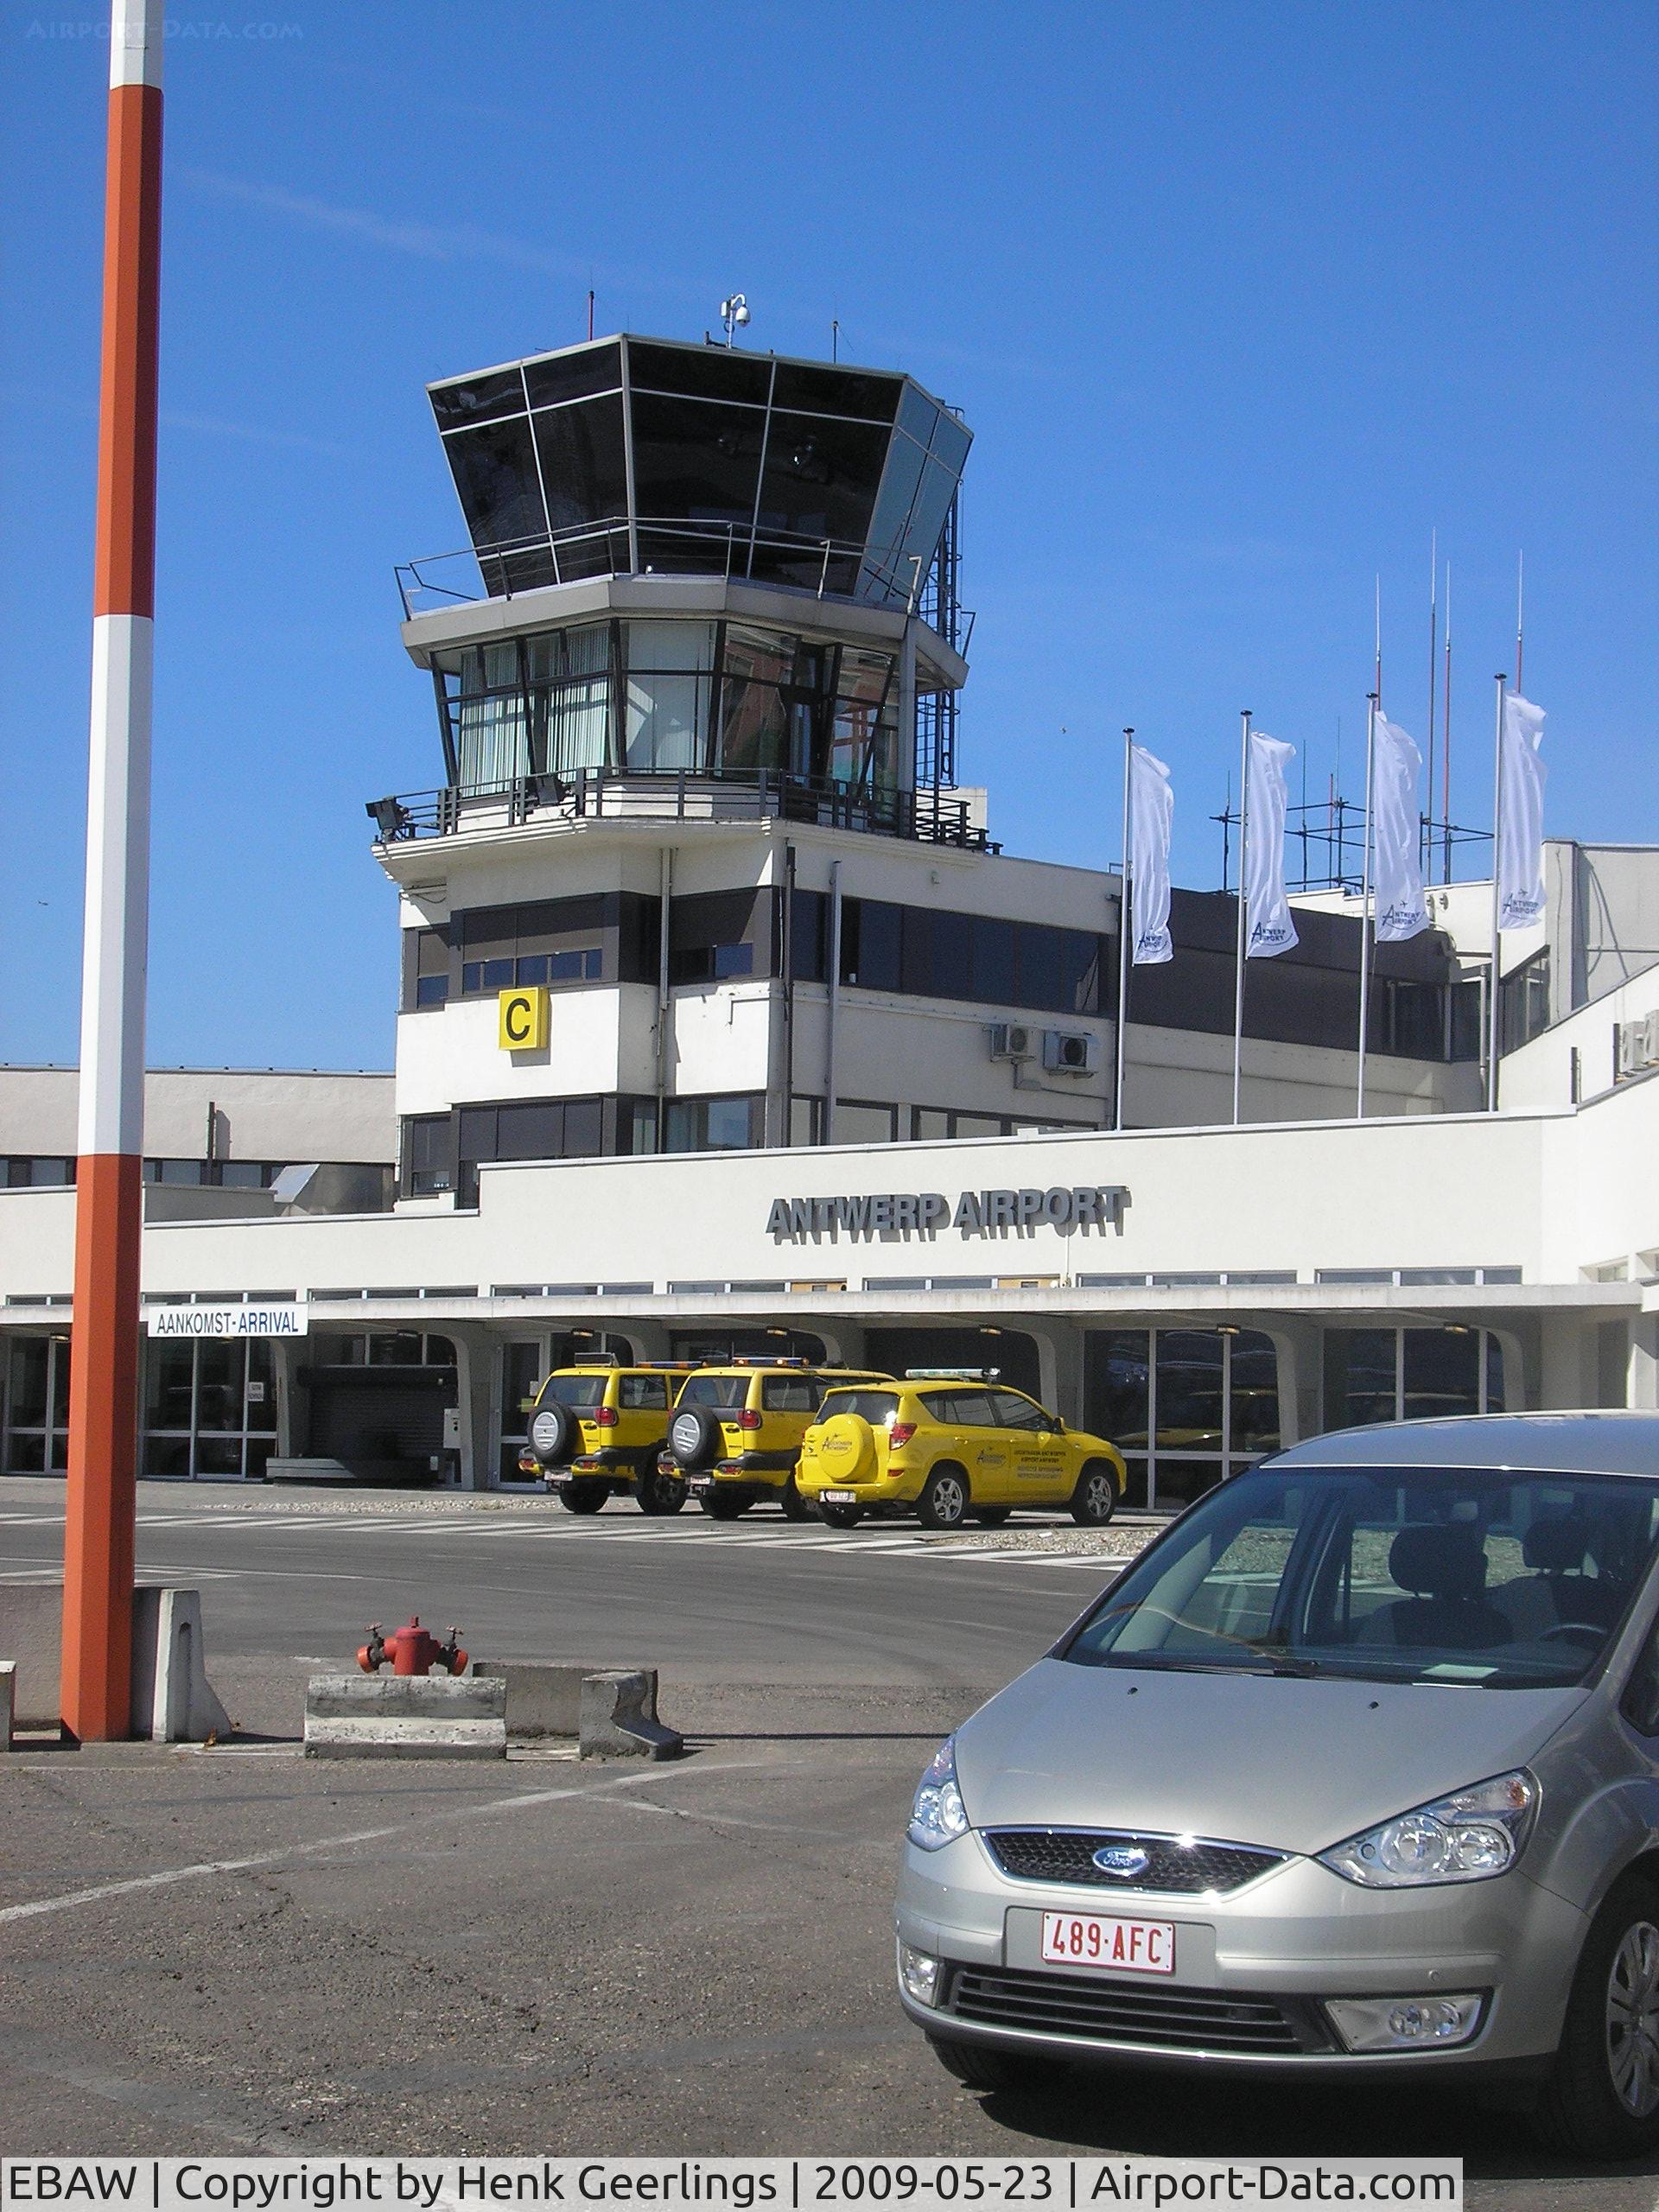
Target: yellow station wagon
(956, 1445)
(736, 1434)
(600, 1428)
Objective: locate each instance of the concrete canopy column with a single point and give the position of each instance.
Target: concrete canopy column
(478, 1382)
(1641, 1387)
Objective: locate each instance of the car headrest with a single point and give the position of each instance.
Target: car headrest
(1556, 1545)
(1440, 1559)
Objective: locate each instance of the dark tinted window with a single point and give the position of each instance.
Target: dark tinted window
(582, 1392)
(714, 934)
(583, 1128)
(836, 391)
(1015, 1412)
(972, 1409)
(871, 943)
(821, 476)
(809, 948)
(875, 1407)
(642, 1393)
(724, 1392)
(478, 399)
(532, 1129)
(789, 1394)
(580, 453)
(495, 475)
(573, 376)
(701, 371)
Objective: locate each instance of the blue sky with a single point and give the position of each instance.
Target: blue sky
(1240, 301)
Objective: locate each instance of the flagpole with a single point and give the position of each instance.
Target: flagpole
(1243, 837)
(1366, 933)
(1492, 993)
(1520, 620)
(1433, 673)
(1123, 910)
(1445, 743)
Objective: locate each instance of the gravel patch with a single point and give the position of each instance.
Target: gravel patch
(1114, 1543)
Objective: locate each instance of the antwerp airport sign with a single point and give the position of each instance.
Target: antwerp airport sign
(973, 1213)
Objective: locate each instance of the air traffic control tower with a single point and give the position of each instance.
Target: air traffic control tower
(721, 568)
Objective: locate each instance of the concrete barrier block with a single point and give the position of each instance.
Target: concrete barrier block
(405, 1716)
(542, 1699)
(8, 1685)
(173, 1701)
(619, 1718)
(31, 1631)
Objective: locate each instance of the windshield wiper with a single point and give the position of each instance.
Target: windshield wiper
(1279, 1656)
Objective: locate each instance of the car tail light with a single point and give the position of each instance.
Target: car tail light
(606, 1417)
(900, 1432)
(748, 1418)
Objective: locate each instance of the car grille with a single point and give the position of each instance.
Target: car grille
(1116, 2012)
(1175, 1867)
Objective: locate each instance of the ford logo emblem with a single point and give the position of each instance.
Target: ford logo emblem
(1124, 1860)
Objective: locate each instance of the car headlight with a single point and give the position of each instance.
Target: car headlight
(1466, 1837)
(938, 1816)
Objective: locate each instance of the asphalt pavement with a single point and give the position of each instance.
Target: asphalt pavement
(236, 1950)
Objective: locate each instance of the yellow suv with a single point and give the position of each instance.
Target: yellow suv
(736, 1432)
(600, 1428)
(955, 1443)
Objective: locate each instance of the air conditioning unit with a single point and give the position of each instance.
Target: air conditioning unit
(1013, 1040)
(1638, 1045)
(1070, 1052)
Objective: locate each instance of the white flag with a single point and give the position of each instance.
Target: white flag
(1400, 909)
(1521, 817)
(1267, 799)
(1152, 807)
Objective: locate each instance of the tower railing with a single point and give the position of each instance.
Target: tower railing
(649, 546)
(681, 795)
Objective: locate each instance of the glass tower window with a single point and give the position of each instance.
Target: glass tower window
(694, 463)
(798, 473)
(570, 697)
(753, 725)
(580, 452)
(491, 738)
(671, 677)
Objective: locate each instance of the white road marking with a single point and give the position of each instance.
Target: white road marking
(208, 1867)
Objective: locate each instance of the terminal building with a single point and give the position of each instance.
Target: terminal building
(728, 1025)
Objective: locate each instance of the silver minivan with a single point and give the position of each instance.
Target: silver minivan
(1355, 1770)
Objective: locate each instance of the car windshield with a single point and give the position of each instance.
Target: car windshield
(582, 1392)
(875, 1406)
(726, 1392)
(1494, 1580)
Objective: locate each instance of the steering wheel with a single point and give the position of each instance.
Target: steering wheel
(1572, 1628)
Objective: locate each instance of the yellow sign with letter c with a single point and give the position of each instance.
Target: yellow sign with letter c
(523, 1019)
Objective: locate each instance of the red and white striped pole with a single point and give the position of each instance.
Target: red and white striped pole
(98, 1561)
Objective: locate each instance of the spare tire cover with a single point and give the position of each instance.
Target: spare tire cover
(553, 1434)
(695, 1437)
(845, 1450)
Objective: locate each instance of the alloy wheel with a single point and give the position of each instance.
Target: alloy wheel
(947, 1500)
(1633, 2020)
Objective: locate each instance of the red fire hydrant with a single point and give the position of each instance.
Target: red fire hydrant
(412, 1650)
